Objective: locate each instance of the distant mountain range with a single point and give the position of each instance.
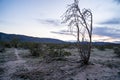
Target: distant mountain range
(23, 38)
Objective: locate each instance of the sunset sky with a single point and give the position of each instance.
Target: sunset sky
(40, 18)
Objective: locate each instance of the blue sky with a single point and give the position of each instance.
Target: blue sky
(40, 18)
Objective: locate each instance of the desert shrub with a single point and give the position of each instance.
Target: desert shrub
(119, 74)
(5, 44)
(58, 50)
(15, 42)
(2, 58)
(64, 45)
(67, 53)
(46, 50)
(105, 46)
(101, 47)
(1, 70)
(36, 49)
(58, 53)
(109, 46)
(2, 49)
(117, 51)
(55, 53)
(26, 45)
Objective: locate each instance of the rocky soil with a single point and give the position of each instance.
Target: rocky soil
(16, 64)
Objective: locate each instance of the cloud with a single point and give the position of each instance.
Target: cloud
(118, 1)
(101, 31)
(104, 31)
(50, 21)
(65, 32)
(112, 21)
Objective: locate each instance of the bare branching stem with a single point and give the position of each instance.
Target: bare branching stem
(82, 20)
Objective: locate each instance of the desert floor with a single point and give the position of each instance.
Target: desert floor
(16, 64)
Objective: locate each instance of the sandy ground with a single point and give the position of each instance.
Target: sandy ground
(104, 66)
(12, 66)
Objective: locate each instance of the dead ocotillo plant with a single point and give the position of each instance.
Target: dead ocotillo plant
(80, 25)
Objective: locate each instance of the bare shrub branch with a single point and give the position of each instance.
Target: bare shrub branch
(80, 25)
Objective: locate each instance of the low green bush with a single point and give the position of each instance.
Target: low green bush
(119, 74)
(36, 49)
(1, 70)
(117, 51)
(2, 49)
(102, 48)
(55, 53)
(47, 51)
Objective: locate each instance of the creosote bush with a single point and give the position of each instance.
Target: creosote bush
(48, 51)
(55, 52)
(117, 51)
(2, 49)
(101, 47)
(1, 70)
(36, 49)
(5, 44)
(58, 53)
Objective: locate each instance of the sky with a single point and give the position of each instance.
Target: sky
(42, 18)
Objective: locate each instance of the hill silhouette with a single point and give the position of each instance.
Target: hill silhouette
(23, 38)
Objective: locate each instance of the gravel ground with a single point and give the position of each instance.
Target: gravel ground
(104, 66)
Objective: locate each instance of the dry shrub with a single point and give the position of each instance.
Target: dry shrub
(117, 51)
(55, 53)
(36, 49)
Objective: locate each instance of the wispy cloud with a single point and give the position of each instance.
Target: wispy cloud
(104, 31)
(65, 32)
(112, 21)
(53, 22)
